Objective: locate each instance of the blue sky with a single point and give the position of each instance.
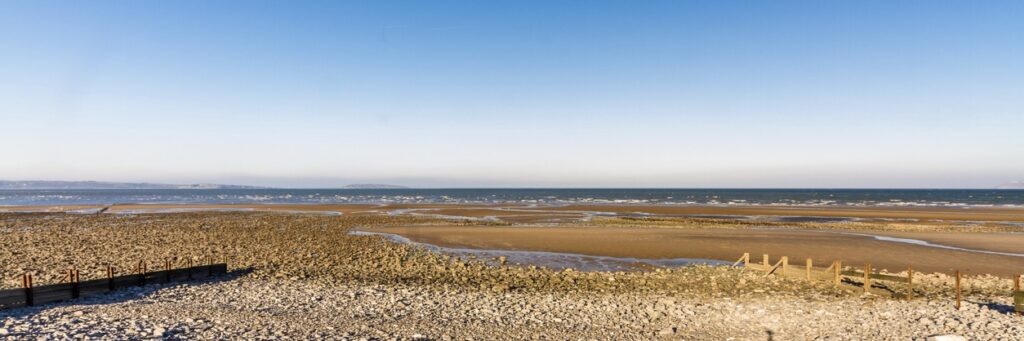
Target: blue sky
(519, 93)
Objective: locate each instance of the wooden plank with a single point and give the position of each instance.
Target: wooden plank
(198, 274)
(12, 302)
(219, 269)
(745, 258)
(93, 286)
(179, 275)
(53, 296)
(47, 289)
(155, 277)
(126, 281)
(855, 273)
(93, 291)
(12, 293)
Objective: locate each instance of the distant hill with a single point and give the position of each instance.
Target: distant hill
(373, 186)
(1012, 185)
(9, 185)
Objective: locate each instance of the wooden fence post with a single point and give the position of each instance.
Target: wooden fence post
(76, 291)
(1016, 288)
(110, 278)
(745, 259)
(785, 264)
(910, 283)
(142, 277)
(764, 261)
(958, 290)
(167, 270)
(867, 277)
(26, 282)
(837, 278)
(810, 264)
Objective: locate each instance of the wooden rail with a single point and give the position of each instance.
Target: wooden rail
(71, 287)
(864, 278)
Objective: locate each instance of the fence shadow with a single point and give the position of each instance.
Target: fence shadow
(1001, 308)
(122, 294)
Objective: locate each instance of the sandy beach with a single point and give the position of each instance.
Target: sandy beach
(306, 276)
(919, 213)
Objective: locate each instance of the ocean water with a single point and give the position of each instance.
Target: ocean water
(816, 197)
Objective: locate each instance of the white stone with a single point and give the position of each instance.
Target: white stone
(947, 338)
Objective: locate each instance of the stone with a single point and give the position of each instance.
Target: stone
(949, 337)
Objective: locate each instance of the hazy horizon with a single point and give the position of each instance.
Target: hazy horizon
(659, 94)
(1017, 185)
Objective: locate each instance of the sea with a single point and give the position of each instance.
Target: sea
(536, 196)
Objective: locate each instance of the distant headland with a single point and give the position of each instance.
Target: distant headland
(373, 186)
(40, 184)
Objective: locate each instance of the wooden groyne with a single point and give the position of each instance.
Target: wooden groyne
(72, 287)
(866, 278)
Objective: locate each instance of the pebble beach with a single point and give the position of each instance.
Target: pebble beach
(303, 276)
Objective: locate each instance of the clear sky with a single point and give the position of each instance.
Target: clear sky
(517, 93)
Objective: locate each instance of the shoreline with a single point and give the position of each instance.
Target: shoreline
(967, 214)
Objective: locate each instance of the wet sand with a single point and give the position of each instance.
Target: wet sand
(929, 214)
(730, 244)
(923, 213)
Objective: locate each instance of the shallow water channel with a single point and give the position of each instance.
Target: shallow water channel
(552, 260)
